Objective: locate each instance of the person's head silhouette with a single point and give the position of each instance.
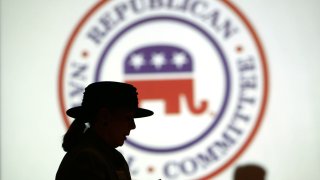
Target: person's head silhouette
(249, 172)
(109, 109)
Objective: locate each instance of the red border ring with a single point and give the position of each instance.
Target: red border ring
(66, 54)
(264, 68)
(265, 94)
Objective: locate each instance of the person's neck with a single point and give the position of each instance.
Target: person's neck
(102, 134)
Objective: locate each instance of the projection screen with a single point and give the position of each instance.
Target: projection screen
(232, 83)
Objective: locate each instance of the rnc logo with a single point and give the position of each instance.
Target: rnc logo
(198, 64)
(167, 60)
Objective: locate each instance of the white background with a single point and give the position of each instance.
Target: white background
(34, 34)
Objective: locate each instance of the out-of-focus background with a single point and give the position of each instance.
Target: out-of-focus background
(33, 37)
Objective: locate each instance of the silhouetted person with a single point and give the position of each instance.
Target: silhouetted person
(249, 172)
(109, 108)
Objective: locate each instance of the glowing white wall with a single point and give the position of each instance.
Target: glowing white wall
(33, 37)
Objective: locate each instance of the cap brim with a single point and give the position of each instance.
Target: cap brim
(141, 112)
(77, 112)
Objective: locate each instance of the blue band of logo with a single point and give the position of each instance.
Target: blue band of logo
(215, 45)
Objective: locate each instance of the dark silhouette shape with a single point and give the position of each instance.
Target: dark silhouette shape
(109, 109)
(249, 172)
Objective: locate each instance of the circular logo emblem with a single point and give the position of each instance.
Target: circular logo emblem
(198, 64)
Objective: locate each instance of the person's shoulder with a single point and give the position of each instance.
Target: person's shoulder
(85, 163)
(92, 153)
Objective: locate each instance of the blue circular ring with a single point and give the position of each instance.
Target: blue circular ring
(226, 70)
